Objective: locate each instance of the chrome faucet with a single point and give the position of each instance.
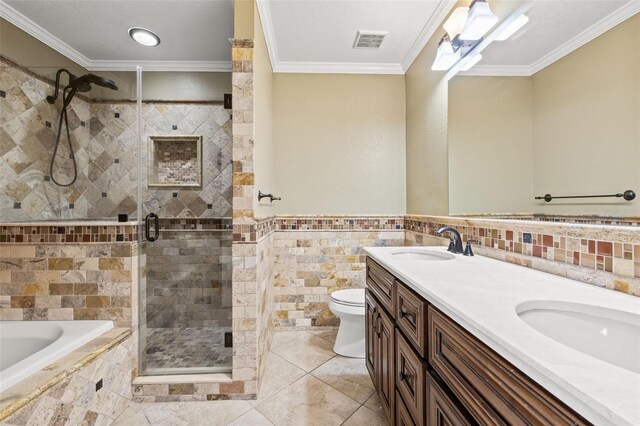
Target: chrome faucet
(456, 243)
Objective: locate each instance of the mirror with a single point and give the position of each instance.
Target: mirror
(542, 113)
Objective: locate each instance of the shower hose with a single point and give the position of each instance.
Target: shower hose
(63, 116)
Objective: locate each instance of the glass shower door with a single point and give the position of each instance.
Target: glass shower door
(185, 227)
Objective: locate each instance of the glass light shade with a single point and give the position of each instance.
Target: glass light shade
(513, 27)
(445, 56)
(471, 62)
(454, 25)
(479, 21)
(144, 36)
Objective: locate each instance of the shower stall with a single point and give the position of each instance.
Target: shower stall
(84, 158)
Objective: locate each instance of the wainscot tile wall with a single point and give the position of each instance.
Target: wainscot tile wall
(316, 255)
(92, 385)
(64, 281)
(603, 255)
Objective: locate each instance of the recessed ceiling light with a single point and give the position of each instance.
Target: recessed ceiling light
(144, 36)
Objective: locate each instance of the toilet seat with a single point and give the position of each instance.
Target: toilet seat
(350, 297)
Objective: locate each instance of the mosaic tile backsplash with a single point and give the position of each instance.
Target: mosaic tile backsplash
(105, 139)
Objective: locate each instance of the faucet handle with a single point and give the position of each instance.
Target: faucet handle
(467, 250)
(451, 243)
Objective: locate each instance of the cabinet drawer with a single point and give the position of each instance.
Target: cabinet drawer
(411, 379)
(411, 317)
(382, 285)
(441, 410)
(403, 418)
(492, 390)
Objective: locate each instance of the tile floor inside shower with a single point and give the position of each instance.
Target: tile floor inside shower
(187, 347)
(305, 383)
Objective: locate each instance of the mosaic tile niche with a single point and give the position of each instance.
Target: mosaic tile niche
(104, 136)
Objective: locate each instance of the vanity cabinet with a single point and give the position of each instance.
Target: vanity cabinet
(380, 352)
(428, 370)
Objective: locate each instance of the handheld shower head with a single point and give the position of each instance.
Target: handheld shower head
(83, 84)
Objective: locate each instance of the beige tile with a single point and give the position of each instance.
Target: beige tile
(365, 416)
(373, 403)
(306, 352)
(251, 418)
(278, 374)
(308, 402)
(285, 337)
(348, 375)
(194, 413)
(133, 415)
(329, 335)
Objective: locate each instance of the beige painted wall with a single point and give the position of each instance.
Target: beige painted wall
(339, 144)
(426, 129)
(586, 132)
(243, 19)
(263, 119)
(490, 145)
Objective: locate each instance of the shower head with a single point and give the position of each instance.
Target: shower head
(83, 84)
(79, 84)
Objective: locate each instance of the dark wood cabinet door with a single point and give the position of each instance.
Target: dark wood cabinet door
(403, 418)
(442, 411)
(371, 338)
(411, 373)
(385, 369)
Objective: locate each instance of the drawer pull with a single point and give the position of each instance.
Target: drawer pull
(404, 376)
(409, 315)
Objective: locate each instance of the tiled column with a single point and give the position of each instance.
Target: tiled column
(245, 349)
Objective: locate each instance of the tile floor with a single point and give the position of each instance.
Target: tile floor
(187, 347)
(305, 383)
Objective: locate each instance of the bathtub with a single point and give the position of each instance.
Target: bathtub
(26, 347)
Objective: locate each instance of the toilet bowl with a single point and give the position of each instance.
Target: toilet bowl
(348, 305)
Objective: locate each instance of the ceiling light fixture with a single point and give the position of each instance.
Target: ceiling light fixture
(471, 62)
(445, 56)
(480, 20)
(454, 25)
(144, 36)
(513, 28)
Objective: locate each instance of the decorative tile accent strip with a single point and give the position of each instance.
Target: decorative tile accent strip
(196, 224)
(189, 391)
(587, 249)
(265, 226)
(356, 223)
(62, 233)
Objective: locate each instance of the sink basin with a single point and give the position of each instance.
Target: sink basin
(422, 255)
(606, 334)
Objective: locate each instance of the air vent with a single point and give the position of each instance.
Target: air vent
(369, 39)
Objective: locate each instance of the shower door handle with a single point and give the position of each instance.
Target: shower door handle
(147, 226)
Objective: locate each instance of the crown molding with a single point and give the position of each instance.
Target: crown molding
(432, 25)
(185, 66)
(338, 68)
(625, 12)
(264, 13)
(27, 25)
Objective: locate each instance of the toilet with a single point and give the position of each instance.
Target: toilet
(348, 305)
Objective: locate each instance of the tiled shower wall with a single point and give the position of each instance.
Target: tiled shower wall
(189, 279)
(105, 141)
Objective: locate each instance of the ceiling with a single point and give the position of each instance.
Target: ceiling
(94, 33)
(303, 35)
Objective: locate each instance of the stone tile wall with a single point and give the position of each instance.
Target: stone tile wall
(310, 264)
(603, 255)
(264, 280)
(68, 282)
(104, 136)
(189, 280)
(74, 400)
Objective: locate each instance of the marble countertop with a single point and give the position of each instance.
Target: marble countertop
(482, 294)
